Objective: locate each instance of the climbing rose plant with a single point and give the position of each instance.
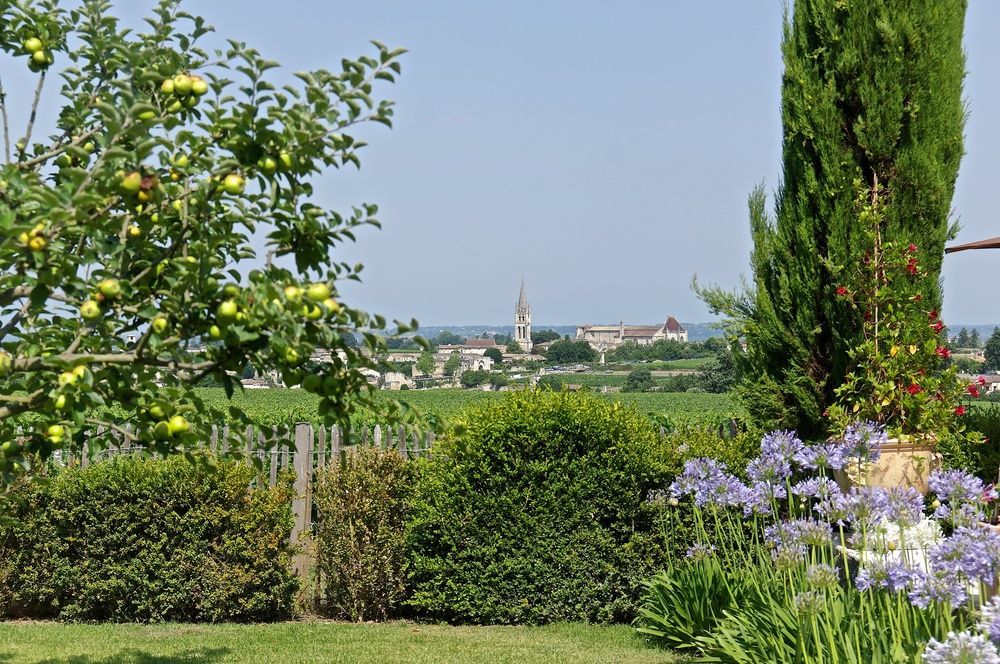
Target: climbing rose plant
(146, 234)
(901, 378)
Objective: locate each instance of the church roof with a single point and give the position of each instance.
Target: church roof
(480, 343)
(672, 325)
(522, 300)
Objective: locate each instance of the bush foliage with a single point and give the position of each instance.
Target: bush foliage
(359, 538)
(135, 540)
(535, 509)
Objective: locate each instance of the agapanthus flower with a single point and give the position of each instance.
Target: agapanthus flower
(863, 442)
(961, 648)
(929, 588)
(904, 506)
(709, 483)
(893, 576)
(989, 619)
(809, 602)
(769, 469)
(822, 576)
(783, 445)
(866, 505)
(700, 551)
(788, 556)
(821, 456)
(835, 508)
(955, 486)
(971, 551)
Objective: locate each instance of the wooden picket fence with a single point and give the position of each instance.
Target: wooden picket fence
(302, 449)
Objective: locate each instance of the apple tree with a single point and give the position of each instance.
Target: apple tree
(163, 230)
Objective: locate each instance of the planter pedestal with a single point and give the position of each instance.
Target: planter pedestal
(903, 463)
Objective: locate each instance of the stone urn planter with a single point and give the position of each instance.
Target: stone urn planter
(904, 462)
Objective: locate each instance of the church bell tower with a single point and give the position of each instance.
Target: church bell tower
(522, 321)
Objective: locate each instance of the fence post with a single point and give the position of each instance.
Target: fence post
(302, 505)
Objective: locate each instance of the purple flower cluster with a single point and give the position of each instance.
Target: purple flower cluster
(960, 496)
(971, 552)
(863, 442)
(710, 484)
(930, 588)
(989, 619)
(893, 576)
(904, 506)
(961, 648)
(823, 456)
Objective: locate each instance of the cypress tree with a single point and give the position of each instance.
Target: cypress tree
(871, 94)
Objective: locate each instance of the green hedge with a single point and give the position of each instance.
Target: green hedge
(360, 508)
(535, 509)
(139, 540)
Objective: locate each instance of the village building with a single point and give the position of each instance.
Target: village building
(603, 337)
(522, 321)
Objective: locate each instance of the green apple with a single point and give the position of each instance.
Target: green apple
(291, 356)
(6, 363)
(110, 288)
(231, 290)
(39, 57)
(175, 106)
(227, 311)
(67, 378)
(198, 85)
(293, 293)
(161, 431)
(268, 165)
(37, 243)
(33, 45)
(89, 147)
(234, 184)
(167, 87)
(132, 182)
(10, 448)
(90, 310)
(60, 402)
(191, 101)
(178, 425)
(147, 115)
(156, 411)
(330, 386)
(285, 159)
(180, 161)
(55, 432)
(134, 230)
(331, 305)
(318, 292)
(312, 312)
(312, 383)
(80, 371)
(182, 84)
(214, 332)
(159, 324)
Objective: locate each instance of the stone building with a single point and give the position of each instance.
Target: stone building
(603, 337)
(522, 321)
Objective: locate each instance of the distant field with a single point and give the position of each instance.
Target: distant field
(283, 406)
(661, 365)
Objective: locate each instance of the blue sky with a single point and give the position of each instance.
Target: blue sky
(602, 150)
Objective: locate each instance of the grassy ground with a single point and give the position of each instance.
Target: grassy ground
(289, 643)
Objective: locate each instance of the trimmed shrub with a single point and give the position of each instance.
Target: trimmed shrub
(133, 540)
(359, 539)
(535, 508)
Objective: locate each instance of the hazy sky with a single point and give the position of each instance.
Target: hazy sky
(602, 150)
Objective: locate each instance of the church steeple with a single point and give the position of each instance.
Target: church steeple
(522, 320)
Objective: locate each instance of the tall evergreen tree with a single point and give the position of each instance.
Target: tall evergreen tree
(961, 339)
(871, 96)
(974, 340)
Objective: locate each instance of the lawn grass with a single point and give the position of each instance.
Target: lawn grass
(320, 641)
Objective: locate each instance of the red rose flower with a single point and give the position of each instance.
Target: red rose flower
(937, 327)
(914, 389)
(981, 380)
(911, 266)
(912, 249)
(932, 314)
(943, 352)
(973, 390)
(960, 411)
(841, 290)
